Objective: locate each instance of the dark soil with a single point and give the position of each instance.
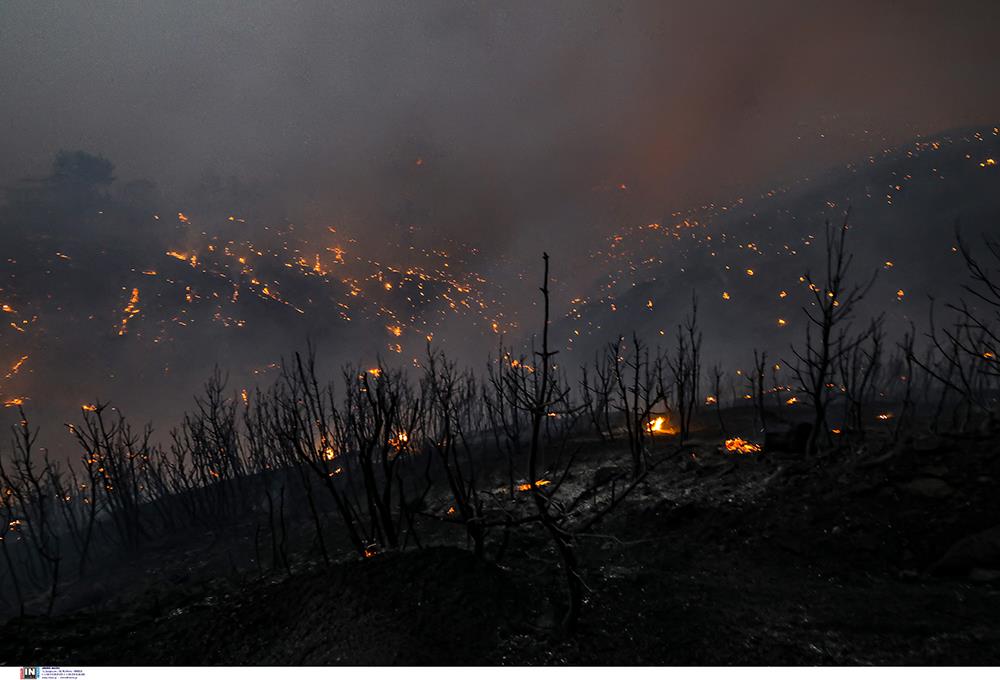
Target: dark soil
(716, 559)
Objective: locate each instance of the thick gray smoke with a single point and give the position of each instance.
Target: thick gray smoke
(512, 126)
(519, 111)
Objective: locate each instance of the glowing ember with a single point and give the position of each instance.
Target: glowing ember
(191, 259)
(131, 309)
(15, 367)
(739, 445)
(527, 485)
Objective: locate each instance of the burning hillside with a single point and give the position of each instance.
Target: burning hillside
(748, 258)
(91, 314)
(127, 301)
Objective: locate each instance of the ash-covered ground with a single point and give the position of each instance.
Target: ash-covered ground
(866, 554)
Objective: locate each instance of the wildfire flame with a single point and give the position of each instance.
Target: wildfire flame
(527, 485)
(399, 441)
(131, 309)
(740, 445)
(660, 425)
(15, 367)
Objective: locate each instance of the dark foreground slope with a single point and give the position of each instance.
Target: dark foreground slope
(765, 559)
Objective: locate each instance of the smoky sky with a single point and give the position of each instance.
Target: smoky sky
(519, 112)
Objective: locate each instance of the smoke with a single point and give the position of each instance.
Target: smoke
(519, 114)
(513, 127)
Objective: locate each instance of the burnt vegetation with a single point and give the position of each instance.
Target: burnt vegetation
(563, 507)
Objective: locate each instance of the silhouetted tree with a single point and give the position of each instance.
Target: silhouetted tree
(828, 330)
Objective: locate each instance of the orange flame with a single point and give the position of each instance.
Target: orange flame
(740, 445)
(15, 367)
(527, 485)
(131, 309)
(659, 425)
